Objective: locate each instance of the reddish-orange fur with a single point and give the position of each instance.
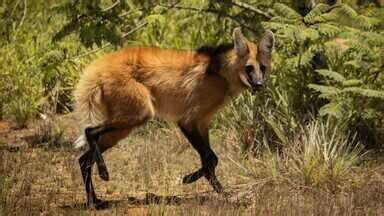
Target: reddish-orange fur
(126, 88)
(143, 82)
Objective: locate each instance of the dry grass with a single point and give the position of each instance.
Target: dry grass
(146, 172)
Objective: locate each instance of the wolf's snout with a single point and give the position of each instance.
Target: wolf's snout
(258, 85)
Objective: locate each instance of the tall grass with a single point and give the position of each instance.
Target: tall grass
(321, 152)
(36, 74)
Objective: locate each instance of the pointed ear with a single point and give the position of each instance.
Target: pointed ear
(240, 42)
(266, 45)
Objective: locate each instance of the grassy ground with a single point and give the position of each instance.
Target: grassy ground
(146, 172)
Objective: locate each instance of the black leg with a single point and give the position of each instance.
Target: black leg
(93, 134)
(86, 162)
(208, 158)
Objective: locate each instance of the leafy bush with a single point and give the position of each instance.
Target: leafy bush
(328, 59)
(328, 63)
(36, 76)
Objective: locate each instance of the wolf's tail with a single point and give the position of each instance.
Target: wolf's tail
(89, 105)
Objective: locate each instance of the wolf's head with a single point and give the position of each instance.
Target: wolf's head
(248, 63)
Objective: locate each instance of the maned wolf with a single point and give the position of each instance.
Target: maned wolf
(126, 88)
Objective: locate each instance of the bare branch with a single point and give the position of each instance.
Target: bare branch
(141, 25)
(138, 27)
(251, 8)
(112, 6)
(210, 10)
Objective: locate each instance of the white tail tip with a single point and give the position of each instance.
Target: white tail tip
(80, 142)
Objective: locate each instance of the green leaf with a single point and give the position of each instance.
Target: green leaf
(326, 91)
(278, 131)
(155, 18)
(352, 82)
(285, 11)
(345, 11)
(365, 92)
(316, 11)
(332, 109)
(327, 29)
(331, 74)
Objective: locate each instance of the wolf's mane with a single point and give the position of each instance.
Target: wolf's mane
(214, 53)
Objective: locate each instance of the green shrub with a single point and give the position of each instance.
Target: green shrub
(36, 75)
(328, 61)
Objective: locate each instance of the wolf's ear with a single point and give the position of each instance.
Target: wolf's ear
(266, 45)
(240, 42)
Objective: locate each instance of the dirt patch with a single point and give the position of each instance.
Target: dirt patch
(4, 127)
(13, 138)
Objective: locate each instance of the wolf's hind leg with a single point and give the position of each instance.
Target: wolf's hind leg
(102, 137)
(129, 104)
(86, 163)
(93, 135)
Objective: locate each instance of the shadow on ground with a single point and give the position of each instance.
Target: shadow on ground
(153, 199)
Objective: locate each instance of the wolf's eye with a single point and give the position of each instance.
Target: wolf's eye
(249, 69)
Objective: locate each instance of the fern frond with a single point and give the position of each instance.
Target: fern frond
(374, 21)
(285, 11)
(327, 30)
(311, 34)
(306, 57)
(373, 38)
(275, 25)
(331, 74)
(326, 91)
(363, 22)
(344, 10)
(365, 92)
(324, 18)
(349, 15)
(316, 11)
(292, 62)
(360, 48)
(333, 109)
(352, 82)
(280, 19)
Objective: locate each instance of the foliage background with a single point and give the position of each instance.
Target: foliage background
(322, 108)
(328, 61)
